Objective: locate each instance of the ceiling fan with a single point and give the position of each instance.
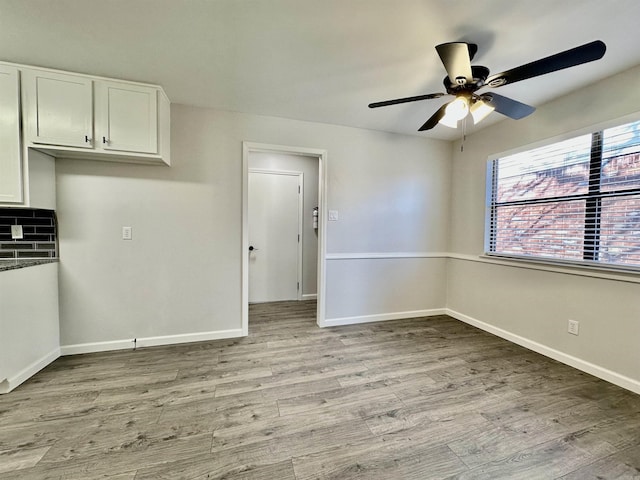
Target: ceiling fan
(463, 81)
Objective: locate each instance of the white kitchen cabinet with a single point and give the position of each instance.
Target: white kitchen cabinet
(126, 117)
(30, 328)
(10, 153)
(59, 108)
(93, 118)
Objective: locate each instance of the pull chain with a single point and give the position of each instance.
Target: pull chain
(464, 133)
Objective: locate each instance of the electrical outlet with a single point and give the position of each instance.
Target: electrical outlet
(127, 233)
(16, 232)
(574, 327)
(333, 215)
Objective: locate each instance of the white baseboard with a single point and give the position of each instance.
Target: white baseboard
(595, 370)
(309, 296)
(381, 317)
(149, 342)
(9, 384)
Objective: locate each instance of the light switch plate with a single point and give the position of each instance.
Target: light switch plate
(16, 232)
(127, 233)
(333, 215)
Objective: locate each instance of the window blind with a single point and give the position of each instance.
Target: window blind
(575, 200)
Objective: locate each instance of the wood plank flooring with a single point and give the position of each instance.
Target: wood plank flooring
(428, 398)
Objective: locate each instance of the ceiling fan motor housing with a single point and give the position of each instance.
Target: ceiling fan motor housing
(461, 85)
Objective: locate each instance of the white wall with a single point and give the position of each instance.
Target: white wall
(535, 304)
(180, 275)
(309, 167)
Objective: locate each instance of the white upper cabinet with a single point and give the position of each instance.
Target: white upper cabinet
(59, 109)
(127, 117)
(93, 118)
(10, 156)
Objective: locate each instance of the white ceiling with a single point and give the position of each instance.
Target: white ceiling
(317, 60)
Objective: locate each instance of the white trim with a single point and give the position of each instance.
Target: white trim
(597, 272)
(300, 232)
(293, 173)
(383, 317)
(530, 264)
(377, 255)
(9, 384)
(596, 370)
(323, 217)
(309, 296)
(321, 155)
(587, 130)
(149, 341)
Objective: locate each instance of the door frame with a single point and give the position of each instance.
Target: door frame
(300, 176)
(321, 155)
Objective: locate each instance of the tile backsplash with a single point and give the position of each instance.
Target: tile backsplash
(39, 229)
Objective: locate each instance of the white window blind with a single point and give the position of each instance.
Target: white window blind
(577, 200)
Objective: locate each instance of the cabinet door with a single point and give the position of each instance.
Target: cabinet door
(127, 117)
(10, 155)
(60, 109)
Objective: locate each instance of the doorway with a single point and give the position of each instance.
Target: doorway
(281, 180)
(275, 235)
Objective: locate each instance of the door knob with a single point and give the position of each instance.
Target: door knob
(252, 248)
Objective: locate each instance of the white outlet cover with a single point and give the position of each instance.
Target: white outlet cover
(333, 215)
(574, 327)
(127, 233)
(16, 232)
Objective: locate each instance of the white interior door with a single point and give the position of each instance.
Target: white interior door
(274, 235)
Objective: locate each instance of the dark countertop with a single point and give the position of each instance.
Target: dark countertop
(25, 262)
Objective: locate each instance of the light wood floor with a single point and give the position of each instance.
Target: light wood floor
(410, 399)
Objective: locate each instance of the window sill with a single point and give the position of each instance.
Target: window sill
(630, 275)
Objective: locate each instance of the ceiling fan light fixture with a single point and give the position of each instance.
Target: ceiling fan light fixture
(448, 122)
(479, 111)
(455, 111)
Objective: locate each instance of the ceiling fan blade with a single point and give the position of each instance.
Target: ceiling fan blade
(435, 118)
(507, 106)
(406, 100)
(456, 57)
(569, 58)
(473, 49)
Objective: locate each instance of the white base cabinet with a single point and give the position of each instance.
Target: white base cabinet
(29, 330)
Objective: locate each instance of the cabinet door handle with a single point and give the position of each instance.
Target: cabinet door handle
(104, 140)
(87, 139)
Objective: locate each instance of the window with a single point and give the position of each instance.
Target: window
(577, 200)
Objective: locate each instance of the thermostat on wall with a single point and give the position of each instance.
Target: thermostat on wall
(16, 232)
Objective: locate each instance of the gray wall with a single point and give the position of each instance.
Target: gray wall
(536, 304)
(404, 202)
(181, 273)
